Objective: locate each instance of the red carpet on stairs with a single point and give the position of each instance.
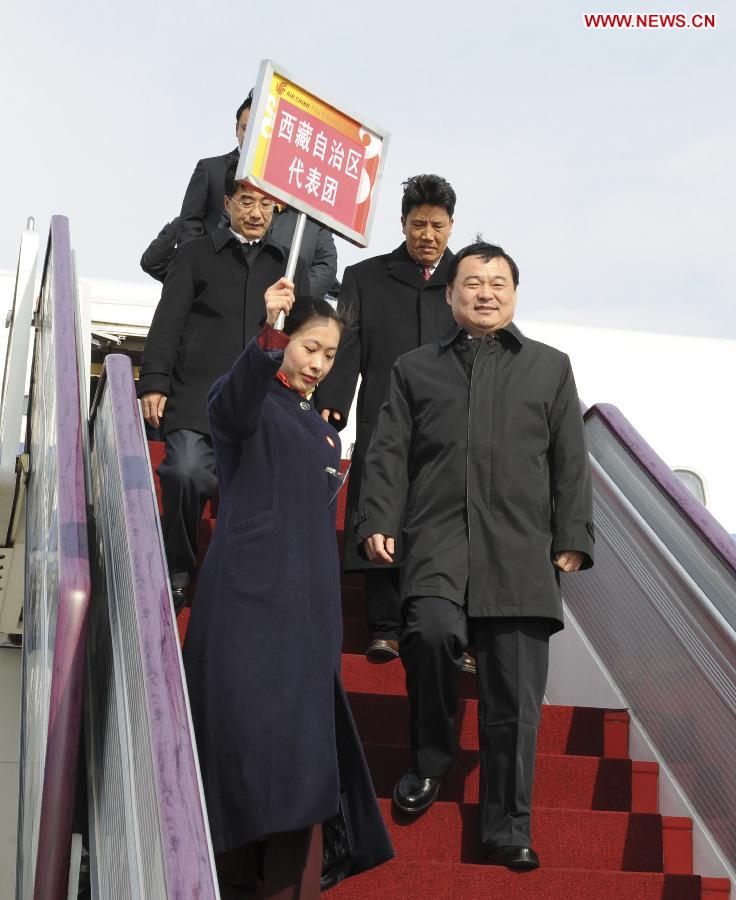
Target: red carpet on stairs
(596, 824)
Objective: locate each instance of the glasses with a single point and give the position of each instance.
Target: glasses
(249, 203)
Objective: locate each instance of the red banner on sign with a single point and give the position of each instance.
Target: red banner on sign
(316, 162)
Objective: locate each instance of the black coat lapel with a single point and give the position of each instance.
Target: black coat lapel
(403, 268)
(406, 270)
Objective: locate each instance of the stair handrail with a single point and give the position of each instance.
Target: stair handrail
(653, 625)
(686, 503)
(57, 589)
(164, 822)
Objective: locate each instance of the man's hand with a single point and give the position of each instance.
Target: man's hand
(569, 560)
(326, 413)
(279, 298)
(153, 407)
(379, 548)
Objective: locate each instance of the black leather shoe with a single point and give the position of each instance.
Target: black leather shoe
(413, 794)
(513, 858)
(468, 664)
(380, 650)
(179, 596)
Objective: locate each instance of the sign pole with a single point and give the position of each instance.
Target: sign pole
(293, 257)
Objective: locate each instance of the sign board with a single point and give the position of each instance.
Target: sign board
(318, 158)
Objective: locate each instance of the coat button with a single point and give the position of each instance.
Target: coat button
(305, 405)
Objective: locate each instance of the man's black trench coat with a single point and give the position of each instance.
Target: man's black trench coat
(485, 477)
(202, 213)
(394, 310)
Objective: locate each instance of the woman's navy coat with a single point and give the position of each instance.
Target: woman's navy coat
(262, 653)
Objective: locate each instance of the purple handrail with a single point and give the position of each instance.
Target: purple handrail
(67, 679)
(184, 830)
(689, 507)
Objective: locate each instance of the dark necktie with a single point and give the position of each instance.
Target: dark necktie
(250, 251)
(426, 274)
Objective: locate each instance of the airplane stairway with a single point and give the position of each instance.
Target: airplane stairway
(596, 822)
(651, 630)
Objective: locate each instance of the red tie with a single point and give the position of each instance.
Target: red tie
(426, 273)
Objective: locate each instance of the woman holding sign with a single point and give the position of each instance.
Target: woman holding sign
(278, 749)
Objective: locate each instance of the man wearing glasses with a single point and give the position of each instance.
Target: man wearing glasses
(210, 307)
(202, 213)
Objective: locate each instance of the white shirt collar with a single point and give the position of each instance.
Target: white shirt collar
(243, 240)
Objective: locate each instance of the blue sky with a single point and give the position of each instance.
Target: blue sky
(601, 160)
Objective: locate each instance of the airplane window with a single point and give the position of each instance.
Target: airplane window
(694, 483)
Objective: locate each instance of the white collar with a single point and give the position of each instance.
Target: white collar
(243, 240)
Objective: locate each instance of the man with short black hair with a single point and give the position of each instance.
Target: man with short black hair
(210, 307)
(478, 460)
(201, 209)
(202, 213)
(397, 302)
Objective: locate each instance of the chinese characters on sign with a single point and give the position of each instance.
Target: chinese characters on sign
(314, 160)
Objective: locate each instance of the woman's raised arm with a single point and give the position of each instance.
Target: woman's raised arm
(236, 399)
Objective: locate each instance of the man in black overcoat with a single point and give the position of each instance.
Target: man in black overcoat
(396, 302)
(210, 307)
(202, 213)
(479, 461)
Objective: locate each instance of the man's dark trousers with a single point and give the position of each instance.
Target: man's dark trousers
(382, 603)
(188, 480)
(512, 659)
